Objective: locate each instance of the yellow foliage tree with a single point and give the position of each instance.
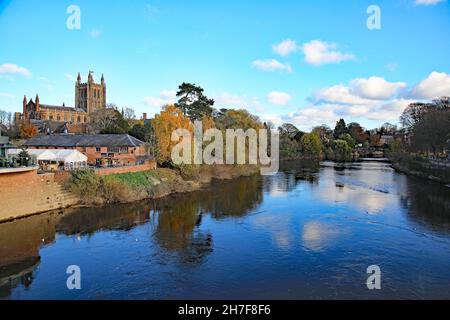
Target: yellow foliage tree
(167, 121)
(27, 130)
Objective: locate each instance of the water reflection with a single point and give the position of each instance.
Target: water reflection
(318, 235)
(428, 204)
(303, 211)
(20, 242)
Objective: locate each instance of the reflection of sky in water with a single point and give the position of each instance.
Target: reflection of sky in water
(317, 235)
(369, 191)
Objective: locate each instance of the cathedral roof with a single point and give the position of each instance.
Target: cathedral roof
(61, 108)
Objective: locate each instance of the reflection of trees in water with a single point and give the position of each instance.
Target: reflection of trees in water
(177, 219)
(115, 217)
(291, 174)
(428, 204)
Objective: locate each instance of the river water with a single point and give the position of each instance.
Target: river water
(296, 235)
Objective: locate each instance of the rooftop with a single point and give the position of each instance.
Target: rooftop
(103, 140)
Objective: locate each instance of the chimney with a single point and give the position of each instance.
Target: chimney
(144, 116)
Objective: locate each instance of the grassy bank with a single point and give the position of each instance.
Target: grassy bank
(128, 187)
(420, 167)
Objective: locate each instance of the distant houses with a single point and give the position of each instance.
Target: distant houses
(101, 150)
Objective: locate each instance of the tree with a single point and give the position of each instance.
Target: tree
(167, 121)
(5, 118)
(289, 130)
(193, 102)
(238, 119)
(432, 132)
(348, 138)
(388, 129)
(27, 130)
(413, 114)
(357, 132)
(340, 128)
(311, 146)
(342, 151)
(109, 121)
(129, 115)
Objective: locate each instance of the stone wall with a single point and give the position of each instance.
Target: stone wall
(24, 192)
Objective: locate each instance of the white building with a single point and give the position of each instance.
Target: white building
(53, 160)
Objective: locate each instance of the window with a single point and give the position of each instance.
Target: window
(98, 149)
(113, 149)
(78, 119)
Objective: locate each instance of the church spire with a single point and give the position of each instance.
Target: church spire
(90, 78)
(79, 78)
(103, 80)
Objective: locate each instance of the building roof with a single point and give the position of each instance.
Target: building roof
(96, 140)
(61, 108)
(52, 155)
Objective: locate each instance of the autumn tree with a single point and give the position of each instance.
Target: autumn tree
(193, 102)
(357, 132)
(311, 146)
(238, 119)
(167, 121)
(27, 130)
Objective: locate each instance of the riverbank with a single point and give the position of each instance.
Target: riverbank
(420, 168)
(95, 190)
(87, 189)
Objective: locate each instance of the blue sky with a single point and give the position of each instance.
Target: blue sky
(306, 62)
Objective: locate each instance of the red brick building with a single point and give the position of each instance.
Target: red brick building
(104, 150)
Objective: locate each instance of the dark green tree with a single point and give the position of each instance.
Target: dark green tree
(340, 129)
(193, 102)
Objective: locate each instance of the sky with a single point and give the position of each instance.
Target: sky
(304, 62)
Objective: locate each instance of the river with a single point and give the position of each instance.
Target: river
(296, 235)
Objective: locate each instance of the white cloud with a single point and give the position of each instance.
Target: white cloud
(285, 47)
(271, 65)
(279, 98)
(366, 100)
(338, 94)
(7, 95)
(9, 68)
(375, 88)
(165, 97)
(228, 100)
(437, 84)
(319, 53)
(95, 33)
(427, 2)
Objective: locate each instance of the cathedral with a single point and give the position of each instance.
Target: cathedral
(89, 97)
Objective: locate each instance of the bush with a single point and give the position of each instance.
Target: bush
(342, 151)
(86, 184)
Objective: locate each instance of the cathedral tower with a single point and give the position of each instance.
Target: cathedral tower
(90, 96)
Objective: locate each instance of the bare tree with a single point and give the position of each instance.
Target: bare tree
(103, 119)
(128, 114)
(432, 132)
